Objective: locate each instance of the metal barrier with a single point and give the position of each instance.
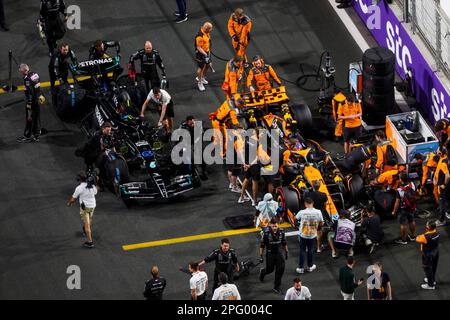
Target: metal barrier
(432, 24)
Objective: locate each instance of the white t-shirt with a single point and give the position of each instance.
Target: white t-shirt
(198, 282)
(165, 97)
(226, 292)
(294, 294)
(310, 220)
(86, 195)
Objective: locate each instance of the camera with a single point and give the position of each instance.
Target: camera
(91, 179)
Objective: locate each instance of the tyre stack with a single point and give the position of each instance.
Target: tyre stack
(378, 85)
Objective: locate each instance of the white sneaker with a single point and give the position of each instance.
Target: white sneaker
(427, 287)
(242, 200)
(201, 87)
(203, 80)
(439, 223)
(314, 267)
(447, 215)
(425, 280)
(236, 189)
(253, 203)
(300, 270)
(230, 186)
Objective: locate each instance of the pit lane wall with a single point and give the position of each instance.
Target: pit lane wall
(390, 33)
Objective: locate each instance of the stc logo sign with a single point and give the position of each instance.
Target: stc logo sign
(373, 17)
(439, 108)
(394, 43)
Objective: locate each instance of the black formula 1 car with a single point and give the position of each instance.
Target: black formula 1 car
(139, 167)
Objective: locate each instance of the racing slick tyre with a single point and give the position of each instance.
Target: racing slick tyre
(302, 114)
(357, 189)
(69, 102)
(288, 201)
(117, 173)
(136, 89)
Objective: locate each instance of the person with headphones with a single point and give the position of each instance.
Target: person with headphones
(239, 27)
(85, 192)
(263, 74)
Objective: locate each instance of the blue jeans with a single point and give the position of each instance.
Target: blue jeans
(182, 8)
(309, 244)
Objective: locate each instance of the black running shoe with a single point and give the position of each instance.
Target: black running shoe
(89, 245)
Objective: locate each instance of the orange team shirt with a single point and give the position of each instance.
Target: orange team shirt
(224, 111)
(203, 40)
(441, 172)
(381, 155)
(232, 76)
(349, 110)
(241, 30)
(389, 178)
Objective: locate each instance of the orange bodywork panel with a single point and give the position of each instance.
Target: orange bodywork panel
(264, 97)
(311, 174)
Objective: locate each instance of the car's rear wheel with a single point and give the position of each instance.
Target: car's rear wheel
(288, 201)
(117, 174)
(357, 189)
(302, 114)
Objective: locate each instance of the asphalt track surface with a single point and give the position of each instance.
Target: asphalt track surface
(40, 236)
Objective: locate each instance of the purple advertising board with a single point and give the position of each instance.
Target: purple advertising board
(390, 33)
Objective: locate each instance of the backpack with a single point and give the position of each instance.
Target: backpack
(409, 197)
(391, 156)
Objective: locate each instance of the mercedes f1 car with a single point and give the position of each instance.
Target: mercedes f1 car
(139, 166)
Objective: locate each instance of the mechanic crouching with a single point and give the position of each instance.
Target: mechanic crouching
(226, 261)
(371, 230)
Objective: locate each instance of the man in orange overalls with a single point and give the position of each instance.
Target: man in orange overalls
(225, 118)
(263, 74)
(351, 114)
(233, 76)
(382, 145)
(239, 26)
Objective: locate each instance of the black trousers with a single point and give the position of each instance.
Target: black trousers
(430, 263)
(274, 262)
(444, 205)
(32, 121)
(2, 14)
(151, 82)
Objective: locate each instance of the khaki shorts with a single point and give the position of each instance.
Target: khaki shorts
(86, 215)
